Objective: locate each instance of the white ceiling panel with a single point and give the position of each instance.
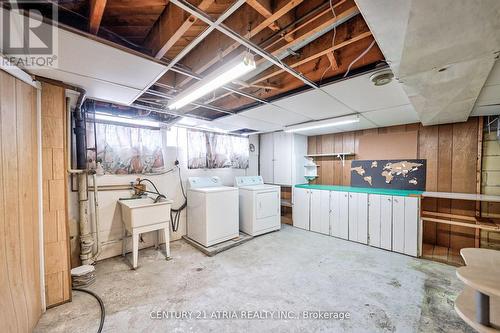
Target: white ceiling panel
(207, 125)
(315, 105)
(399, 115)
(275, 115)
(240, 121)
(106, 72)
(362, 95)
(361, 125)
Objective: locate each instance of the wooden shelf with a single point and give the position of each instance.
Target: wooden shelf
(329, 154)
(462, 196)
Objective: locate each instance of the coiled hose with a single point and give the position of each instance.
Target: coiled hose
(101, 304)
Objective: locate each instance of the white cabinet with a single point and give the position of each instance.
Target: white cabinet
(374, 220)
(412, 219)
(386, 222)
(282, 166)
(358, 217)
(282, 159)
(398, 224)
(301, 208)
(405, 225)
(266, 153)
(340, 214)
(320, 211)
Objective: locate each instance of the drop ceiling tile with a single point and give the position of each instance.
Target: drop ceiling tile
(315, 105)
(405, 114)
(494, 76)
(241, 121)
(275, 115)
(489, 95)
(361, 125)
(362, 95)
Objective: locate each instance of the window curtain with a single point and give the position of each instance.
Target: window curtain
(127, 150)
(207, 150)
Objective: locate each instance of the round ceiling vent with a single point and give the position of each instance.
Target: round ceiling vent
(382, 77)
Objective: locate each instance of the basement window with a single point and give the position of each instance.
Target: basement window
(126, 150)
(208, 150)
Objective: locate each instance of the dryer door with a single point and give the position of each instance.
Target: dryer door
(267, 204)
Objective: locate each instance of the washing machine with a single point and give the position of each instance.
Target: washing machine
(260, 205)
(212, 211)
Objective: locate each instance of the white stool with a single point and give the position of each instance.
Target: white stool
(135, 232)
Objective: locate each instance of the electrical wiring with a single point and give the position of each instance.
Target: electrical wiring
(359, 57)
(333, 40)
(175, 214)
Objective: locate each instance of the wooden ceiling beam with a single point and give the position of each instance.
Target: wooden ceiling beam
(215, 47)
(95, 16)
(313, 56)
(169, 28)
(348, 33)
(264, 8)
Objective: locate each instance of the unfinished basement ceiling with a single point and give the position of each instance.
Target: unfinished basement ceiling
(442, 51)
(297, 33)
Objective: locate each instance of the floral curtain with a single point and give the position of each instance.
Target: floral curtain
(207, 150)
(127, 150)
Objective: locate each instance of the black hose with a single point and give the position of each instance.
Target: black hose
(101, 304)
(175, 219)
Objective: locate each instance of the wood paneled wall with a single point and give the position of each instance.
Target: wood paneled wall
(451, 152)
(55, 214)
(20, 295)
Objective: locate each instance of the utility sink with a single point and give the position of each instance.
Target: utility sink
(145, 215)
(138, 213)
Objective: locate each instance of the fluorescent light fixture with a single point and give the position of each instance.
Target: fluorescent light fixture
(229, 72)
(322, 124)
(128, 121)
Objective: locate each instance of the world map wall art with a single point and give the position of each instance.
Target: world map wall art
(390, 174)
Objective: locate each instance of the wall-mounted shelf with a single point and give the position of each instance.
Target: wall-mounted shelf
(330, 154)
(342, 156)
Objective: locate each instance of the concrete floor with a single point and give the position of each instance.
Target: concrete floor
(290, 270)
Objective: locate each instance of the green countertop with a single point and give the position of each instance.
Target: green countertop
(382, 191)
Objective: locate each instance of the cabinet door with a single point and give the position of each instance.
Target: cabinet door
(266, 158)
(315, 221)
(374, 220)
(320, 211)
(398, 224)
(353, 217)
(335, 213)
(282, 158)
(362, 218)
(343, 215)
(386, 222)
(411, 232)
(300, 211)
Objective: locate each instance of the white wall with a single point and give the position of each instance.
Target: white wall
(110, 224)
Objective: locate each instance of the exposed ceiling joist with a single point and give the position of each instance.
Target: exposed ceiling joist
(314, 56)
(170, 27)
(264, 8)
(204, 59)
(95, 16)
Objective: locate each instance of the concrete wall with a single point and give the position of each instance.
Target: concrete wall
(110, 224)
